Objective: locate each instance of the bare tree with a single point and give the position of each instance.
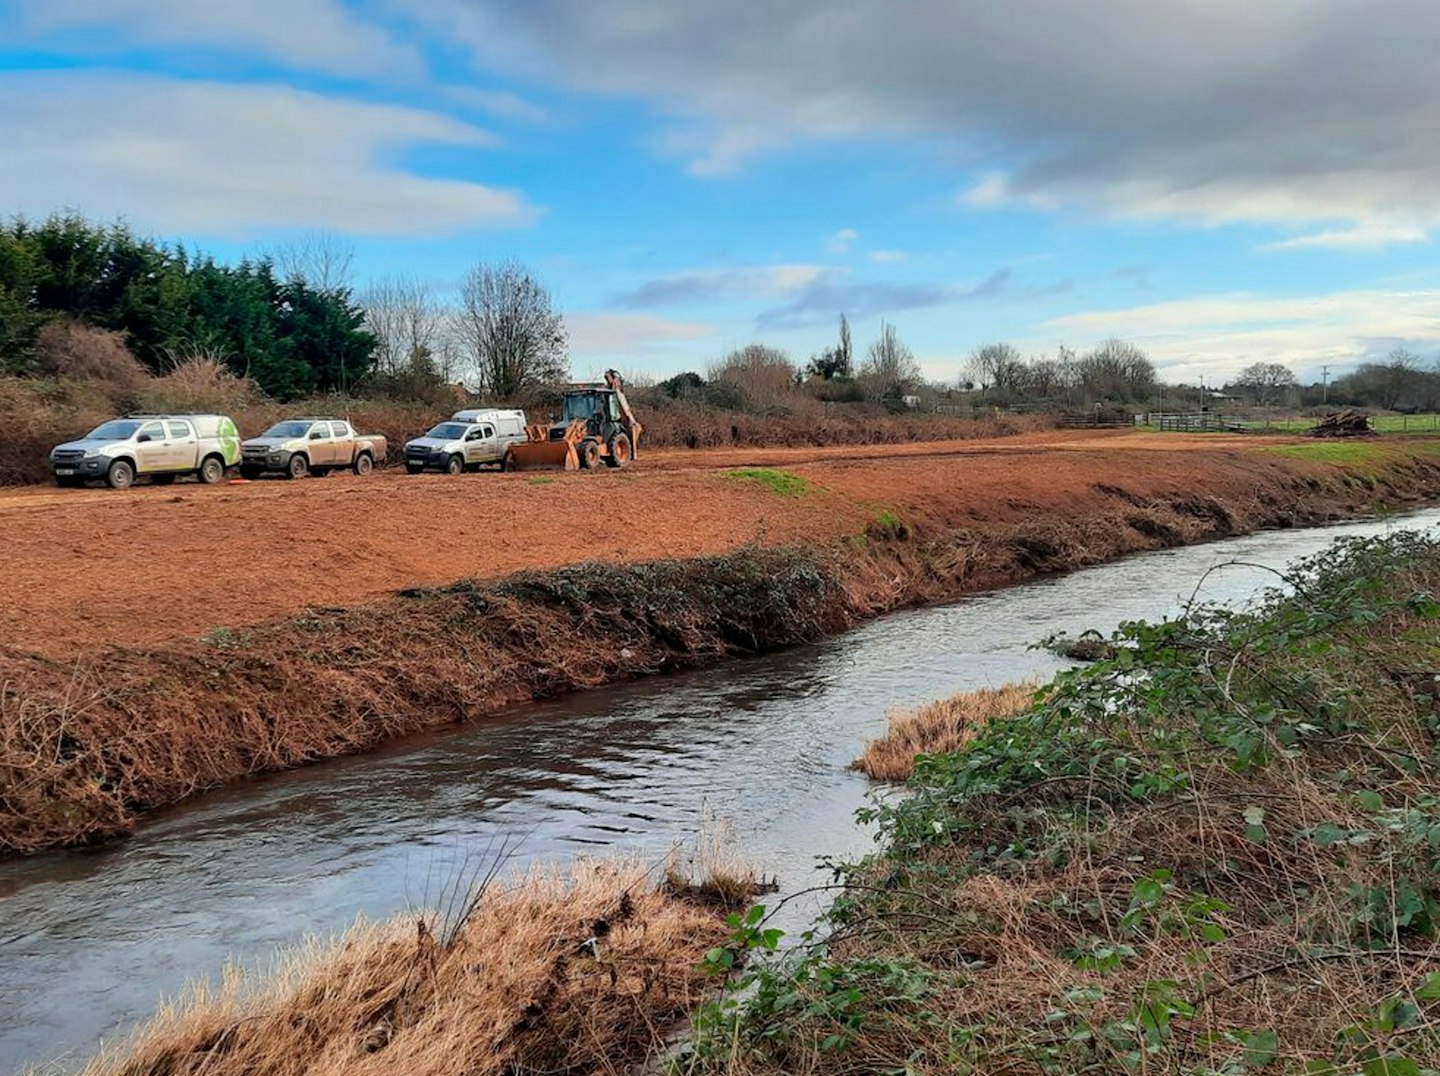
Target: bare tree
(1266, 381)
(1116, 370)
(323, 260)
(997, 368)
(890, 368)
(408, 323)
(510, 330)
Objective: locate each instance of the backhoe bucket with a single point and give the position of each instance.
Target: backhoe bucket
(542, 456)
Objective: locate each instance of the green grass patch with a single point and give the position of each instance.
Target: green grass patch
(782, 482)
(541, 481)
(1339, 453)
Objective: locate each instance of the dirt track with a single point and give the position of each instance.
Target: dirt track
(86, 568)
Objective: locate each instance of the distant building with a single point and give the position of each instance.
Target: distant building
(910, 401)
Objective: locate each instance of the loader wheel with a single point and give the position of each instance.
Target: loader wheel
(619, 451)
(298, 467)
(455, 465)
(589, 453)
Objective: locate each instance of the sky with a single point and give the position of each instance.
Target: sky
(1220, 182)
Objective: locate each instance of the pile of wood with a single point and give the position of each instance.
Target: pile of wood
(1346, 423)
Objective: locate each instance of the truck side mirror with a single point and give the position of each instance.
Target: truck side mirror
(316, 435)
(142, 439)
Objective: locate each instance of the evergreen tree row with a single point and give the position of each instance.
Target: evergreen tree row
(289, 337)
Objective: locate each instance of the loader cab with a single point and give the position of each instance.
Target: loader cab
(585, 406)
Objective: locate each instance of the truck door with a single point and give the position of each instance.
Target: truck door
(184, 445)
(342, 452)
(151, 453)
(490, 449)
(475, 445)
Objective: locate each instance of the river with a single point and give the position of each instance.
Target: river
(90, 940)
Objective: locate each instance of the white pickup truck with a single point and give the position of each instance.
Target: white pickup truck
(311, 445)
(160, 447)
(469, 440)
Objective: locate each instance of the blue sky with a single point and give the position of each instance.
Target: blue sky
(1219, 181)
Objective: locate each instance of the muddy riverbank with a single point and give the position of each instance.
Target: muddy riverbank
(95, 936)
(89, 745)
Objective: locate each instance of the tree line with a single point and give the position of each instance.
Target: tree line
(289, 321)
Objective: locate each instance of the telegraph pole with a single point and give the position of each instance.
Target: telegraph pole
(1324, 384)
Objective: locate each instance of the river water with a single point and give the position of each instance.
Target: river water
(90, 940)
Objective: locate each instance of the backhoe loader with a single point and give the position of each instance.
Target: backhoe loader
(596, 424)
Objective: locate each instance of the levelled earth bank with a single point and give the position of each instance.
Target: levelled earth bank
(158, 643)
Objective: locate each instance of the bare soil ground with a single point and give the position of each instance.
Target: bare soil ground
(96, 567)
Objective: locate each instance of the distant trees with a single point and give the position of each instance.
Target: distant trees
(408, 322)
(837, 362)
(998, 368)
(508, 327)
(890, 370)
(289, 336)
(1265, 382)
(1115, 370)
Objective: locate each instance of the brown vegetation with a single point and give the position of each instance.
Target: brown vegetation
(583, 975)
(1215, 857)
(937, 728)
(90, 376)
(90, 742)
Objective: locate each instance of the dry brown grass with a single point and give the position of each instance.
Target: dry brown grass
(938, 728)
(587, 973)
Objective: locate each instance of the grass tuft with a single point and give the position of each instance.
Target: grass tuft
(782, 482)
(937, 728)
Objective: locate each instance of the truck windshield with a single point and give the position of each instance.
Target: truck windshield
(119, 430)
(288, 429)
(449, 431)
(583, 405)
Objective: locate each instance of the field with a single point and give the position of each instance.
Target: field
(94, 568)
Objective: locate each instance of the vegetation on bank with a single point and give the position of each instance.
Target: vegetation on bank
(91, 743)
(582, 974)
(1217, 852)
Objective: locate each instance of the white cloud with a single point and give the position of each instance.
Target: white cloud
(714, 285)
(606, 334)
(888, 257)
(313, 35)
(501, 103)
(840, 242)
(214, 158)
(1365, 237)
(1216, 335)
(1300, 113)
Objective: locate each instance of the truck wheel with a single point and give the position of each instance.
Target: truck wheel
(589, 453)
(250, 473)
(121, 475)
(162, 479)
(364, 464)
(507, 461)
(298, 467)
(619, 451)
(414, 468)
(455, 465)
(212, 470)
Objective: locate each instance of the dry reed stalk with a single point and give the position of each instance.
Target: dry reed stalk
(579, 973)
(938, 728)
